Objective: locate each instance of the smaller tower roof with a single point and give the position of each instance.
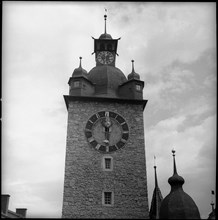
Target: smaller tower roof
(79, 71)
(178, 204)
(156, 199)
(133, 74)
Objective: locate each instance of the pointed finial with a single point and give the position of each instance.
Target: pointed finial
(105, 19)
(155, 172)
(132, 65)
(80, 62)
(174, 161)
(154, 161)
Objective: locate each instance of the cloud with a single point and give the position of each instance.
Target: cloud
(166, 32)
(180, 88)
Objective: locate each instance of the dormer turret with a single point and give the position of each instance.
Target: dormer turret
(133, 88)
(79, 83)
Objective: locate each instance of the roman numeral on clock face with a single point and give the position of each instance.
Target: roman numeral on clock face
(91, 139)
(98, 145)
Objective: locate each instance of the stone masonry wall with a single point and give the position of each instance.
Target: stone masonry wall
(85, 179)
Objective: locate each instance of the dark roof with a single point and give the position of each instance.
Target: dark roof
(106, 79)
(156, 200)
(105, 36)
(178, 204)
(212, 215)
(79, 71)
(133, 74)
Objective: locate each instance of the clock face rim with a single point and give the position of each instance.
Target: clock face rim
(97, 117)
(101, 61)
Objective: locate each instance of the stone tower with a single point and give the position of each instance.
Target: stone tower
(105, 166)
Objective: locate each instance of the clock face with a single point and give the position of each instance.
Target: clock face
(107, 131)
(105, 57)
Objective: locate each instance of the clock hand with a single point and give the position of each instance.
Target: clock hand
(107, 124)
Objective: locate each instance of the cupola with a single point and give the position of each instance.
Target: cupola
(79, 82)
(105, 36)
(178, 204)
(133, 74)
(105, 48)
(133, 87)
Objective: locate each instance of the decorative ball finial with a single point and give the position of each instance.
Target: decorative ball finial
(173, 151)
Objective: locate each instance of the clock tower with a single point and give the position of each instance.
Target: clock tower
(105, 165)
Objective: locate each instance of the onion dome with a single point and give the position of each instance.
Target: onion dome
(105, 36)
(79, 71)
(178, 204)
(106, 79)
(133, 74)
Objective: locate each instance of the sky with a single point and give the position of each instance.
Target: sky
(174, 48)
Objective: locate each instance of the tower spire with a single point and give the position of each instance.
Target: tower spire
(80, 62)
(105, 21)
(175, 180)
(155, 172)
(174, 162)
(156, 199)
(132, 66)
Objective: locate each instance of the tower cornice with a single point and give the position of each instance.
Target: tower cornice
(68, 99)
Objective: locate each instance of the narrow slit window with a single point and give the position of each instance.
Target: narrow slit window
(107, 163)
(107, 198)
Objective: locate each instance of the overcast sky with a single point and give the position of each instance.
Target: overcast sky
(174, 48)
